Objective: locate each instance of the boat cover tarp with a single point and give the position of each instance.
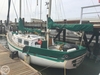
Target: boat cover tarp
(72, 27)
(54, 53)
(23, 29)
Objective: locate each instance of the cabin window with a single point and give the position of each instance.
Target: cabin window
(26, 43)
(20, 40)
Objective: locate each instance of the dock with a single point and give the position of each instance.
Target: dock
(14, 66)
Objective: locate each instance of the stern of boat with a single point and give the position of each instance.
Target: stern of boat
(74, 63)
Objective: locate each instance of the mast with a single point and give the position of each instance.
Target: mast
(20, 7)
(49, 15)
(40, 8)
(9, 4)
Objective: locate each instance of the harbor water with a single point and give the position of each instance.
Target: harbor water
(88, 67)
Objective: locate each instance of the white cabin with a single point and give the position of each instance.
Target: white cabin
(26, 39)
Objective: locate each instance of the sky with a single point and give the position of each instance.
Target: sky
(61, 9)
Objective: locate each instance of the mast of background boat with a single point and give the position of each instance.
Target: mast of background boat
(40, 8)
(9, 4)
(40, 11)
(20, 7)
(49, 14)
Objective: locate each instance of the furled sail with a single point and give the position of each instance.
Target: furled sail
(72, 27)
(23, 29)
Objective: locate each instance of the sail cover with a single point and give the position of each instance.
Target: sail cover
(54, 53)
(23, 29)
(72, 27)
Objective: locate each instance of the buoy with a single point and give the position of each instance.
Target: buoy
(27, 59)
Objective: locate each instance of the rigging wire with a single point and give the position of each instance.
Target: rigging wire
(15, 10)
(57, 12)
(95, 9)
(60, 9)
(48, 67)
(3, 3)
(28, 8)
(37, 10)
(63, 9)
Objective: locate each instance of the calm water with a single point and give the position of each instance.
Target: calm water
(88, 67)
(3, 40)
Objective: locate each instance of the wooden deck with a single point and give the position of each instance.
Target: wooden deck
(17, 66)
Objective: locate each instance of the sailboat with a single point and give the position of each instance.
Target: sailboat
(45, 51)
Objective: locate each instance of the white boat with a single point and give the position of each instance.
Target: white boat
(42, 56)
(53, 54)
